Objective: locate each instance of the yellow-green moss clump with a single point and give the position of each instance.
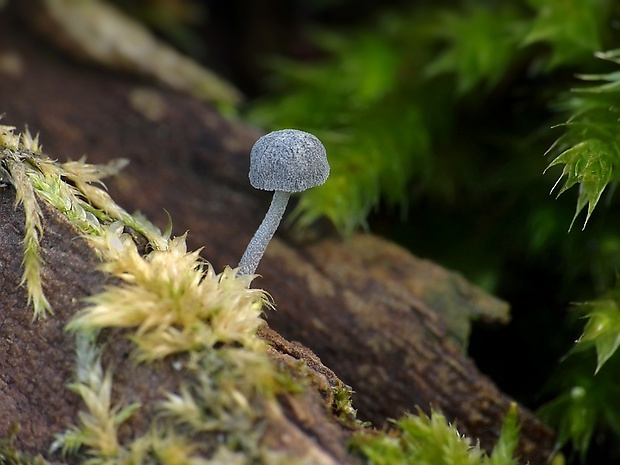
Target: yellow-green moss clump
(172, 303)
(175, 304)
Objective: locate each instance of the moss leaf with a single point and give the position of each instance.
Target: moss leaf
(602, 329)
(588, 163)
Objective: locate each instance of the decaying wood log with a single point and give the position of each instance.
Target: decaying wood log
(370, 310)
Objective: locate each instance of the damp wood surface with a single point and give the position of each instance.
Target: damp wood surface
(388, 324)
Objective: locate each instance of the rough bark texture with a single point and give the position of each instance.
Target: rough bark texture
(36, 358)
(369, 309)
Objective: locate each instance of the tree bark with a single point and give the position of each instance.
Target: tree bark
(388, 324)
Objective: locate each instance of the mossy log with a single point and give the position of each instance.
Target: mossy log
(375, 315)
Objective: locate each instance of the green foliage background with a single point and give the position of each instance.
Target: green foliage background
(449, 114)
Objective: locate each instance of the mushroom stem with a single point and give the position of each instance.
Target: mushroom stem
(257, 246)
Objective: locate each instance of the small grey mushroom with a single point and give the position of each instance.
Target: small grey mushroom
(282, 161)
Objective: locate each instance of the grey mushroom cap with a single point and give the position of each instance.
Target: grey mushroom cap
(288, 160)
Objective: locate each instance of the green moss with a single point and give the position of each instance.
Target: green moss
(386, 98)
(432, 440)
(342, 405)
(9, 455)
(589, 148)
(99, 422)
